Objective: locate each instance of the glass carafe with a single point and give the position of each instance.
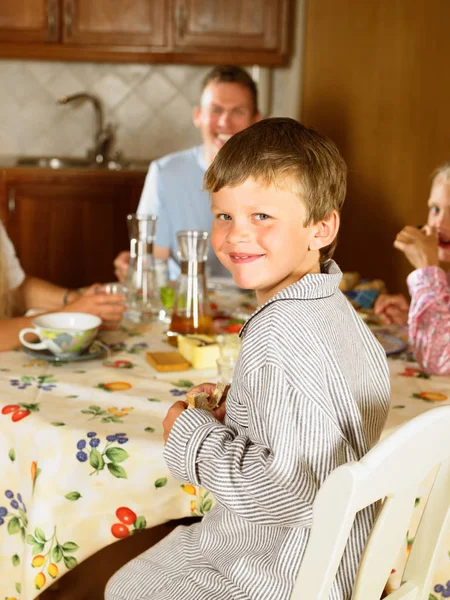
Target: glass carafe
(143, 299)
(191, 311)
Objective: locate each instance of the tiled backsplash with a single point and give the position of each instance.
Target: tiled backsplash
(150, 106)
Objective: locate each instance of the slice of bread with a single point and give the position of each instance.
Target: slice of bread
(217, 394)
(200, 400)
(205, 401)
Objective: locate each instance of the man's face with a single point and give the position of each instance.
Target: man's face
(225, 108)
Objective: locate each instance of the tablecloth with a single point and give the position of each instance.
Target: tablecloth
(81, 455)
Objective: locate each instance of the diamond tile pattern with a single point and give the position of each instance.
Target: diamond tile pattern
(149, 105)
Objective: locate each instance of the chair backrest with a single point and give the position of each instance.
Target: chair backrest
(392, 471)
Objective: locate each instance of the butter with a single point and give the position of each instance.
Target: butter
(200, 357)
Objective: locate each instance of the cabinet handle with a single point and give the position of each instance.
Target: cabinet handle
(181, 21)
(11, 201)
(51, 20)
(68, 18)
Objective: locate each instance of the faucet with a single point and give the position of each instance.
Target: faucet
(103, 135)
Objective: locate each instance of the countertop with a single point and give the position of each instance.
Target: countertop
(126, 165)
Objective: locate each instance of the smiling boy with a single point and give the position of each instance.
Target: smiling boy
(310, 389)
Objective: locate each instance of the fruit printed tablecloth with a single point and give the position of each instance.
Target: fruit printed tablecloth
(81, 455)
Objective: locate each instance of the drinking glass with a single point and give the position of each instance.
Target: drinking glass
(225, 368)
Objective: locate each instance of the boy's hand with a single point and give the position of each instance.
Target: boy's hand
(172, 414)
(392, 309)
(209, 388)
(420, 246)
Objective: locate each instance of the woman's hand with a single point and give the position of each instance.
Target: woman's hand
(420, 246)
(109, 307)
(392, 309)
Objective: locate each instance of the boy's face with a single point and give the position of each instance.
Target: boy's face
(259, 236)
(225, 109)
(439, 216)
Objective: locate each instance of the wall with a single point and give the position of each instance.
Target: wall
(376, 81)
(151, 105)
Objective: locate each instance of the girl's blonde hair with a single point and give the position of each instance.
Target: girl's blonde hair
(442, 171)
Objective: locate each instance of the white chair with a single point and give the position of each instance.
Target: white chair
(393, 471)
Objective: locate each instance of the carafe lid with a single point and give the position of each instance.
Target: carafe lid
(142, 227)
(192, 245)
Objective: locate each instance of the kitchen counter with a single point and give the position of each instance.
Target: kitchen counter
(56, 164)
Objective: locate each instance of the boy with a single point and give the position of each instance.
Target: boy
(310, 390)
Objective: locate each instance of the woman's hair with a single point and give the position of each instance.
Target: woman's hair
(290, 156)
(5, 296)
(442, 171)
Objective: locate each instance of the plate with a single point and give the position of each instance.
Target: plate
(94, 351)
(390, 343)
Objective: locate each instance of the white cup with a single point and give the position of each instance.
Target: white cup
(65, 334)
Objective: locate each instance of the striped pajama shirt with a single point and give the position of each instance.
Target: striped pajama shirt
(310, 392)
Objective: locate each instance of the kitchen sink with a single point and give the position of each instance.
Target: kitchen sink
(53, 162)
(58, 162)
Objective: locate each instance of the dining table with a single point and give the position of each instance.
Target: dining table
(81, 452)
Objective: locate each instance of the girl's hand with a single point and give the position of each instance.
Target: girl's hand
(420, 246)
(172, 415)
(109, 307)
(392, 309)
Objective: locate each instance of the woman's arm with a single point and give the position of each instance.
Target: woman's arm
(43, 295)
(9, 331)
(37, 293)
(429, 319)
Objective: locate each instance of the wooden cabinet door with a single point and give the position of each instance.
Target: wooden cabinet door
(69, 232)
(115, 22)
(29, 21)
(234, 24)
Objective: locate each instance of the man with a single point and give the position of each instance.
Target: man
(173, 187)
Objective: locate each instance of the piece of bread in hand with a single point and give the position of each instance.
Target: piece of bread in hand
(199, 400)
(205, 401)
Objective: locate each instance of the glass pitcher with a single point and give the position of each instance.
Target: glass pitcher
(143, 299)
(191, 312)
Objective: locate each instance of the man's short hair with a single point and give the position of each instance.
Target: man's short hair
(284, 153)
(233, 74)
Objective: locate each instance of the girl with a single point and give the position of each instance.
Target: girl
(428, 315)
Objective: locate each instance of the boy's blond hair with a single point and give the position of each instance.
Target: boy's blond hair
(284, 153)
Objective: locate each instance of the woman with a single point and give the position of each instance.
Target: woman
(20, 292)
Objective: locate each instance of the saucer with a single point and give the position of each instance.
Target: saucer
(94, 351)
(390, 343)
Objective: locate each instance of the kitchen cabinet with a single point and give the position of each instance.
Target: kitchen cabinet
(29, 21)
(236, 24)
(138, 23)
(169, 31)
(67, 227)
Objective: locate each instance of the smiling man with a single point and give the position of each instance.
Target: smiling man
(173, 188)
